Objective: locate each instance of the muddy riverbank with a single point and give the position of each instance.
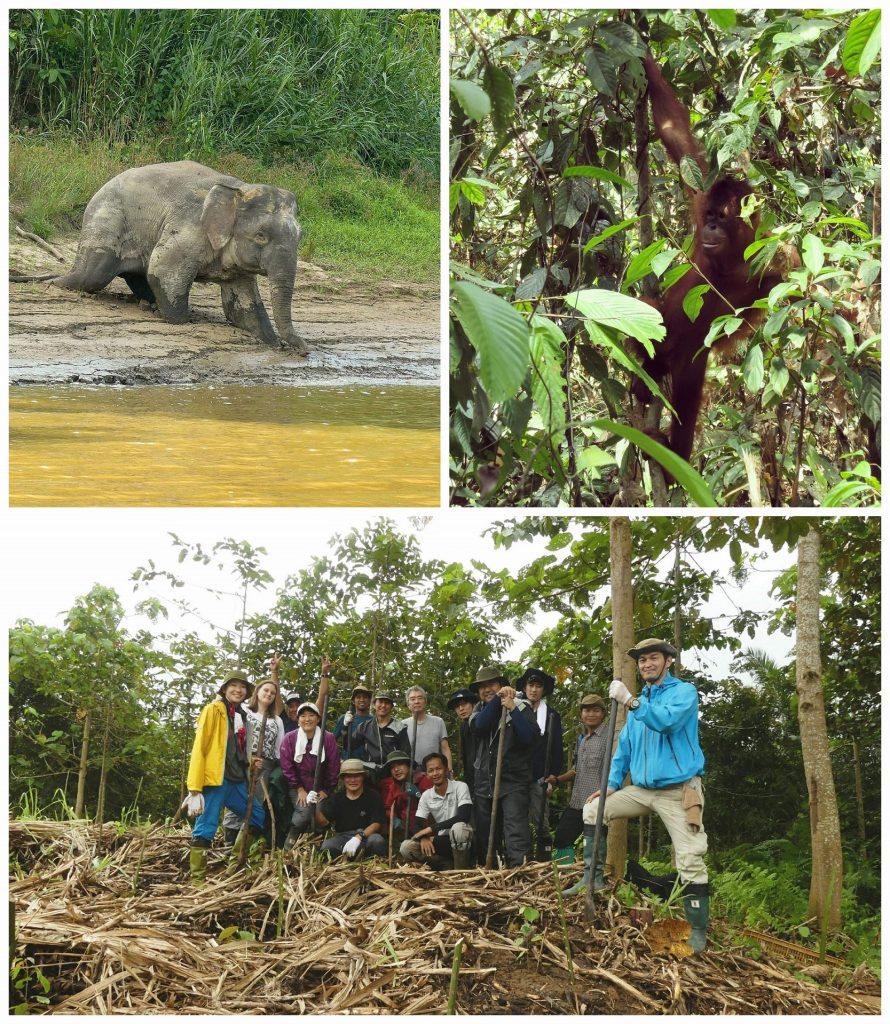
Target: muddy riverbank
(379, 334)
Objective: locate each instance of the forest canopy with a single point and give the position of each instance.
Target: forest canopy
(565, 208)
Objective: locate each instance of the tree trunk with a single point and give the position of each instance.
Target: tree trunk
(825, 831)
(84, 762)
(860, 801)
(103, 774)
(623, 666)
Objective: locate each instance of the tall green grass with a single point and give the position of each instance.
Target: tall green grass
(277, 85)
(357, 223)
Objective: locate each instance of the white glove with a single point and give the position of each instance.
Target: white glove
(347, 718)
(194, 804)
(312, 797)
(618, 691)
(352, 847)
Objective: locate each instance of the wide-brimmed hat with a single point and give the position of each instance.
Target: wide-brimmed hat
(353, 766)
(308, 704)
(236, 675)
(652, 645)
(396, 757)
(384, 695)
(593, 700)
(488, 674)
(536, 675)
(361, 688)
(459, 696)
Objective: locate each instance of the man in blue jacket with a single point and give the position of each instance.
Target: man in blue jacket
(659, 747)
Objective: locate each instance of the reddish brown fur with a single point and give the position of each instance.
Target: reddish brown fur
(720, 239)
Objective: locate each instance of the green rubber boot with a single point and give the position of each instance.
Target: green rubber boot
(696, 906)
(198, 866)
(564, 855)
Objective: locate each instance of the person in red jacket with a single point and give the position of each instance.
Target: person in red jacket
(397, 791)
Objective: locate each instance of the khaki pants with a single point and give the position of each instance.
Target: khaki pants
(458, 837)
(632, 801)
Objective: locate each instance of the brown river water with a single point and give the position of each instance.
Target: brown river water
(226, 445)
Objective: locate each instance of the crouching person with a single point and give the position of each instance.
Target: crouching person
(442, 824)
(217, 775)
(356, 814)
(299, 755)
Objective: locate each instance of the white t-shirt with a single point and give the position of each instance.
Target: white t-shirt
(430, 733)
(441, 808)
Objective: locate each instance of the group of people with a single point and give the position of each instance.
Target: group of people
(375, 779)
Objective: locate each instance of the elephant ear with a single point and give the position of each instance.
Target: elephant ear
(218, 215)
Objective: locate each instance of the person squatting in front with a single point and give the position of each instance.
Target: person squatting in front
(356, 814)
(218, 771)
(299, 759)
(399, 793)
(659, 746)
(520, 736)
(443, 835)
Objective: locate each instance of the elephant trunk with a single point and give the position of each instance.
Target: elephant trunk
(281, 285)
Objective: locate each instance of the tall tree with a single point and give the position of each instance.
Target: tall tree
(825, 830)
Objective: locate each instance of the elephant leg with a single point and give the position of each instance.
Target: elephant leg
(244, 308)
(138, 285)
(170, 277)
(91, 273)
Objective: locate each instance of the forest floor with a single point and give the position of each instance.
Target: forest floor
(378, 334)
(107, 918)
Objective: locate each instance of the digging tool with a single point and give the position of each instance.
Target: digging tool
(410, 779)
(323, 691)
(349, 729)
(545, 846)
(251, 793)
(496, 793)
(392, 821)
(589, 906)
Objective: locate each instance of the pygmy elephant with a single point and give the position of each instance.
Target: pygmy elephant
(163, 226)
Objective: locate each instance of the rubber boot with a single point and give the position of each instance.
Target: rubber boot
(292, 836)
(564, 855)
(696, 906)
(584, 880)
(198, 866)
(599, 880)
(463, 859)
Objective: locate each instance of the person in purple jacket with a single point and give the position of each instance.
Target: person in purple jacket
(298, 757)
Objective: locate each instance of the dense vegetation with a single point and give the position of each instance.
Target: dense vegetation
(121, 704)
(564, 209)
(340, 106)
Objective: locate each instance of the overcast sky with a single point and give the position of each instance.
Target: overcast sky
(49, 567)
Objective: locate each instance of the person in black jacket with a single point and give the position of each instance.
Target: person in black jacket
(548, 757)
(462, 703)
(520, 737)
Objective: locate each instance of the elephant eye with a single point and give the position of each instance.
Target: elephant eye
(260, 238)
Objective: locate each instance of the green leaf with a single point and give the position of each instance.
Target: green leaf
(503, 97)
(499, 334)
(531, 286)
(723, 17)
(641, 264)
(862, 43)
(778, 375)
(601, 174)
(601, 72)
(614, 229)
(619, 312)
(752, 369)
(694, 299)
(227, 933)
(592, 458)
(813, 253)
(547, 380)
(472, 98)
(699, 492)
(842, 494)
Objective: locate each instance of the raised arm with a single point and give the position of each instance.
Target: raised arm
(672, 118)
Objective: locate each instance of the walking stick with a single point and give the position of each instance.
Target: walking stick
(392, 819)
(499, 764)
(323, 691)
(349, 730)
(545, 846)
(254, 775)
(589, 907)
(411, 772)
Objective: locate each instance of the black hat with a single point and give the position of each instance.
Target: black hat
(489, 674)
(536, 675)
(396, 757)
(650, 647)
(459, 696)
